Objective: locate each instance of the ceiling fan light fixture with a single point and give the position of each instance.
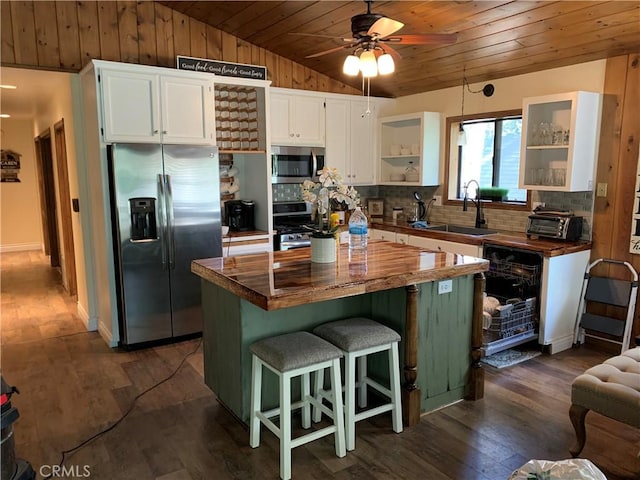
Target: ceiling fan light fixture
(385, 64)
(351, 65)
(368, 64)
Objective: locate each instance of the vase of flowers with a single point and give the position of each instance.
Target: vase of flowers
(324, 195)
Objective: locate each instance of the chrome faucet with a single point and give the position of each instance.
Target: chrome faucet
(480, 221)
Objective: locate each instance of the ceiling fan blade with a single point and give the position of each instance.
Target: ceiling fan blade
(422, 39)
(384, 27)
(324, 52)
(319, 35)
(391, 51)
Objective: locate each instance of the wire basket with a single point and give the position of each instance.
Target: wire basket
(526, 274)
(512, 319)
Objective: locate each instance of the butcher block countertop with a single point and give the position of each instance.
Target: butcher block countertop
(274, 280)
(547, 247)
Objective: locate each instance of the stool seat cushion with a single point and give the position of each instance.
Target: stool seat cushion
(355, 334)
(294, 350)
(612, 388)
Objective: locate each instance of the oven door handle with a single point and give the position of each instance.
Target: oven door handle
(289, 244)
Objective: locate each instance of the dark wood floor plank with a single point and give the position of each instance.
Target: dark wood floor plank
(73, 386)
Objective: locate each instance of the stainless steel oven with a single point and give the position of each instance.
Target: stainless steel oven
(291, 221)
(296, 164)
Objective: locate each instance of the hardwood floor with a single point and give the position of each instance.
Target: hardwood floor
(73, 386)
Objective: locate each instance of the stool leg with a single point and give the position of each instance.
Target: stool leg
(362, 374)
(338, 414)
(349, 398)
(256, 393)
(577, 414)
(285, 426)
(318, 392)
(394, 384)
(306, 408)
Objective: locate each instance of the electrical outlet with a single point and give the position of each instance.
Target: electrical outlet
(437, 200)
(446, 286)
(601, 190)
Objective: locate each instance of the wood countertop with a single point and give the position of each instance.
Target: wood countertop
(274, 280)
(547, 247)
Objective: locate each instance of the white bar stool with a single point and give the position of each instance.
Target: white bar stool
(288, 356)
(357, 338)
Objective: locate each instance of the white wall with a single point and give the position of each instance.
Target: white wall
(20, 219)
(60, 108)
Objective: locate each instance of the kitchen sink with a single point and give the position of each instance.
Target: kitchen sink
(445, 227)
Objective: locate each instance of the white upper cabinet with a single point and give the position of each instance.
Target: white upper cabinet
(559, 145)
(145, 104)
(351, 139)
(297, 120)
(410, 149)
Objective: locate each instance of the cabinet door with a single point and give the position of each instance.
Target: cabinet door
(559, 143)
(362, 142)
(187, 110)
(307, 121)
(130, 106)
(280, 120)
(337, 145)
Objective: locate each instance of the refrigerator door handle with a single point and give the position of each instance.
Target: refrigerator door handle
(162, 215)
(170, 223)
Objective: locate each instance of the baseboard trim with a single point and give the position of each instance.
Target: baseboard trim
(107, 336)
(90, 323)
(20, 247)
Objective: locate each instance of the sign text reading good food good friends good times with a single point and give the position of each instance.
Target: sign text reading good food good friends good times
(225, 69)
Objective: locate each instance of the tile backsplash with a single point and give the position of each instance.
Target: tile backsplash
(581, 203)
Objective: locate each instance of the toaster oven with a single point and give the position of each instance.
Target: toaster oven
(559, 226)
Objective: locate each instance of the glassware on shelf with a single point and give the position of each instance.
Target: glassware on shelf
(411, 173)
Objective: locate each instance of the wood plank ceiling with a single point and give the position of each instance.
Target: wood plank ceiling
(494, 38)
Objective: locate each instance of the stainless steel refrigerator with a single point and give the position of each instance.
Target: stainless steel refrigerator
(165, 213)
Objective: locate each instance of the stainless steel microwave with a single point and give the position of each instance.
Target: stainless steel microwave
(296, 164)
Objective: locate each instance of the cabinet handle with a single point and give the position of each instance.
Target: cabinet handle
(291, 134)
(297, 134)
(164, 132)
(155, 132)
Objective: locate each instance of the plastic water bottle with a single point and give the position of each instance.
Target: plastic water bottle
(358, 230)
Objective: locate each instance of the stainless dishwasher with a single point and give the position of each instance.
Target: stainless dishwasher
(514, 278)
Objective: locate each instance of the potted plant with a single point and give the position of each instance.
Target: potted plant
(494, 194)
(327, 191)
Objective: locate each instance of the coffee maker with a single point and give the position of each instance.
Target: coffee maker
(240, 215)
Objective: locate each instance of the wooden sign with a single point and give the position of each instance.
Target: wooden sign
(225, 69)
(9, 166)
(634, 244)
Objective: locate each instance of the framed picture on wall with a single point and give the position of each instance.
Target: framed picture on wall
(376, 209)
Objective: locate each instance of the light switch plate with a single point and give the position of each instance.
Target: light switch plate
(445, 286)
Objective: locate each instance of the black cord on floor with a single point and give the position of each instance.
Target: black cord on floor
(129, 410)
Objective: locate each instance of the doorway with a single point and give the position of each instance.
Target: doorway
(65, 209)
(61, 253)
(46, 185)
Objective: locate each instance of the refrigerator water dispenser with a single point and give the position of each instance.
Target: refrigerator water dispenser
(143, 219)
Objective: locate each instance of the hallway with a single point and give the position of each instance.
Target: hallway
(74, 386)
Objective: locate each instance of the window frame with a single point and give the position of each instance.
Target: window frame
(452, 125)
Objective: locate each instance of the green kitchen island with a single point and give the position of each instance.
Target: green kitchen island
(433, 299)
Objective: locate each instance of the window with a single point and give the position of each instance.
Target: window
(490, 156)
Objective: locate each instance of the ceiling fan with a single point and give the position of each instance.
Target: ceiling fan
(374, 32)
